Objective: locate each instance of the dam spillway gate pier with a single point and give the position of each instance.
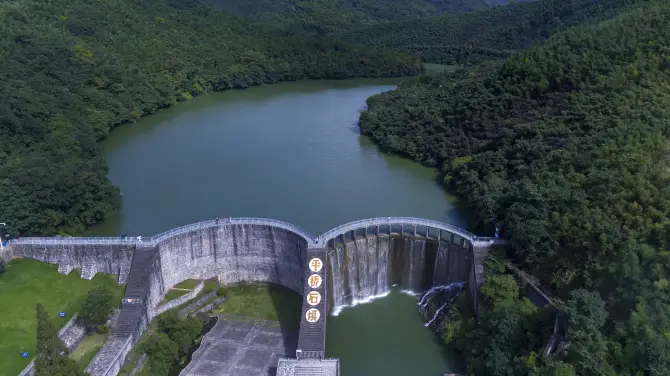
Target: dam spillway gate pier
(347, 263)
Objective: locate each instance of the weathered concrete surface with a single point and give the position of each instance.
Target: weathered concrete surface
(89, 258)
(308, 367)
(193, 306)
(237, 348)
(110, 358)
(180, 300)
(232, 253)
(237, 253)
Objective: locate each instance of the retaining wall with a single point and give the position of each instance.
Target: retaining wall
(71, 335)
(111, 357)
(89, 258)
(180, 300)
(192, 306)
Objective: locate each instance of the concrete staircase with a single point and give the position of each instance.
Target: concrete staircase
(308, 371)
(133, 306)
(312, 340)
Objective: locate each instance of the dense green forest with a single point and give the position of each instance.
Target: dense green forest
(327, 16)
(72, 70)
(566, 145)
(488, 34)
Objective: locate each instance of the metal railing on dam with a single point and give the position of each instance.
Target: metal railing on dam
(154, 240)
(313, 241)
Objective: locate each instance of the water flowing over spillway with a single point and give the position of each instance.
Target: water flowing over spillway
(365, 268)
(449, 293)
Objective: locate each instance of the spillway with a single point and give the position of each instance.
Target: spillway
(364, 268)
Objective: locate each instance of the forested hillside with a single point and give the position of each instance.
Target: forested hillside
(566, 145)
(72, 70)
(326, 16)
(489, 34)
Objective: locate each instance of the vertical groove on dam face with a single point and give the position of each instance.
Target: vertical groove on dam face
(365, 267)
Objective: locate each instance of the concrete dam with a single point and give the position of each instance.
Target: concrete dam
(347, 264)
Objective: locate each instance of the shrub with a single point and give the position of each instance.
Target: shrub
(98, 306)
(103, 329)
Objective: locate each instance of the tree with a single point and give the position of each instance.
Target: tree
(52, 355)
(98, 306)
(586, 315)
(3, 266)
(163, 353)
(183, 332)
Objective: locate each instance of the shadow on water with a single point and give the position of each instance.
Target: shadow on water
(288, 304)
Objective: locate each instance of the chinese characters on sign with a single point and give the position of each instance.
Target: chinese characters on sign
(312, 315)
(313, 298)
(314, 281)
(315, 265)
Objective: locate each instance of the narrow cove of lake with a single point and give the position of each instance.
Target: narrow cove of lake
(291, 152)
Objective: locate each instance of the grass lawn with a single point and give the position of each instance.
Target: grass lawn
(263, 301)
(173, 294)
(87, 349)
(188, 284)
(26, 283)
(210, 285)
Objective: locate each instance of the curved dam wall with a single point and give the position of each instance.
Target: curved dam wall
(367, 266)
(230, 252)
(235, 253)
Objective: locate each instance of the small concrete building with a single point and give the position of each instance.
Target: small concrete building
(308, 367)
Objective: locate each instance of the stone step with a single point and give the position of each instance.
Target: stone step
(137, 286)
(308, 371)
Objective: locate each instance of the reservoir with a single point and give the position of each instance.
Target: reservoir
(292, 152)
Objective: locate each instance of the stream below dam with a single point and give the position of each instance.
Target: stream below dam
(292, 152)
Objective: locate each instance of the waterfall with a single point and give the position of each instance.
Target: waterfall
(352, 269)
(417, 264)
(337, 271)
(448, 292)
(365, 268)
(360, 270)
(382, 264)
(441, 270)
